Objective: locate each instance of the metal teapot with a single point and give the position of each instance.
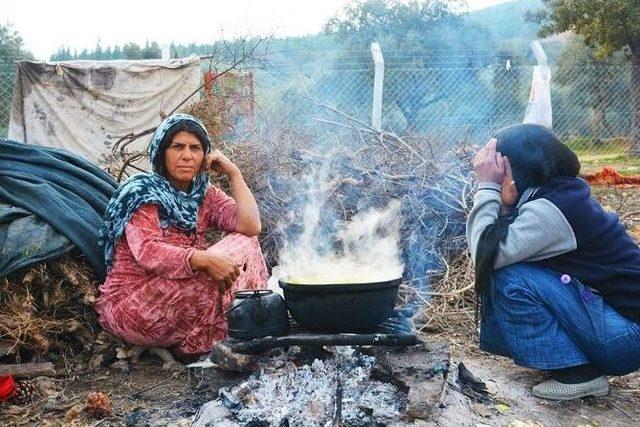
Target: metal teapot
(257, 313)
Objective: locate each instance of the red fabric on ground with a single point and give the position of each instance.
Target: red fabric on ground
(609, 176)
(7, 387)
(152, 298)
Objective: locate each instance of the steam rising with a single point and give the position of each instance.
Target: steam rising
(364, 249)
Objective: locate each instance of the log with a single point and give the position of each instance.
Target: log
(226, 358)
(28, 370)
(258, 345)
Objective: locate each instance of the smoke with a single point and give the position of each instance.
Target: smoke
(331, 247)
(364, 249)
(342, 203)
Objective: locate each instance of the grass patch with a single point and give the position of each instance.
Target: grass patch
(584, 146)
(611, 152)
(623, 163)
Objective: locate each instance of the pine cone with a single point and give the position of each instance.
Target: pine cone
(25, 392)
(98, 405)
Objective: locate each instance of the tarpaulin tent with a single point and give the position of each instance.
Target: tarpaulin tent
(85, 106)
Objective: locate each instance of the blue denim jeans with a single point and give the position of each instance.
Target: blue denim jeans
(540, 322)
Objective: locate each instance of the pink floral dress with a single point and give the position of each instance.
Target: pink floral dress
(152, 298)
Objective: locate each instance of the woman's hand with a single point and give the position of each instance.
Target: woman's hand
(508, 192)
(248, 217)
(488, 164)
(218, 162)
(220, 267)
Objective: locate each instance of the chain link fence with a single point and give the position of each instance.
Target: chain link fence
(7, 77)
(592, 109)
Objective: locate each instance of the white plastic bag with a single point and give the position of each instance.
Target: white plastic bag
(539, 107)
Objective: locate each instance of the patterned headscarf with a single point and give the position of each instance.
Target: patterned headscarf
(177, 207)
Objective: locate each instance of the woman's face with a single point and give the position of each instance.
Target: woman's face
(183, 159)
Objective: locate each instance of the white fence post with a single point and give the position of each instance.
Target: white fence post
(378, 60)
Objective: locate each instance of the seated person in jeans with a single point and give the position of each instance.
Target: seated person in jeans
(558, 277)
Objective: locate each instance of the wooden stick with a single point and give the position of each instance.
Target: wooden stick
(624, 412)
(27, 370)
(7, 347)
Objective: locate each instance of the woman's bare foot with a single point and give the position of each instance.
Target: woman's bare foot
(165, 355)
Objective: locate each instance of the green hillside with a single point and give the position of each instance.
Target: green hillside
(507, 22)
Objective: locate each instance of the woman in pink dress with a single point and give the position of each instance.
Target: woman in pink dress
(165, 289)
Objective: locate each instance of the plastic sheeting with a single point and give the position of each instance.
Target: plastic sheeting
(539, 109)
(63, 190)
(26, 239)
(85, 106)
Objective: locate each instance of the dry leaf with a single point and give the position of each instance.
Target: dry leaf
(503, 409)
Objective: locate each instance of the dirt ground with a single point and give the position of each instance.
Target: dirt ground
(515, 404)
(147, 395)
(144, 395)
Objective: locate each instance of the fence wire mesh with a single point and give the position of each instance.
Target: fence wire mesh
(591, 104)
(6, 92)
(592, 109)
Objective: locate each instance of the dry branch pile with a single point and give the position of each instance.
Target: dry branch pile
(450, 307)
(48, 307)
(354, 167)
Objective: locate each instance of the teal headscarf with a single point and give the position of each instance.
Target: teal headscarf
(177, 207)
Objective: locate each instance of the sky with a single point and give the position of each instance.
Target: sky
(46, 25)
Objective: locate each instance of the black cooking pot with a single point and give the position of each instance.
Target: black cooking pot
(358, 307)
(257, 313)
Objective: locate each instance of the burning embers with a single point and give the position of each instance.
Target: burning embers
(336, 390)
(315, 387)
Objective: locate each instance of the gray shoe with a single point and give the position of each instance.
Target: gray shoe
(554, 390)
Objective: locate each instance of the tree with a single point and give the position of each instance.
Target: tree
(151, 51)
(97, 53)
(598, 89)
(397, 25)
(63, 54)
(608, 26)
(131, 51)
(508, 102)
(117, 53)
(414, 34)
(11, 48)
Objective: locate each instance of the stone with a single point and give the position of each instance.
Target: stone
(121, 365)
(421, 371)
(95, 362)
(172, 366)
(46, 386)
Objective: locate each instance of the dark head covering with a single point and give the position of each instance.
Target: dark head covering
(178, 208)
(536, 156)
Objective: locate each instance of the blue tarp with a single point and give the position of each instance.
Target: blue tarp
(57, 192)
(26, 239)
